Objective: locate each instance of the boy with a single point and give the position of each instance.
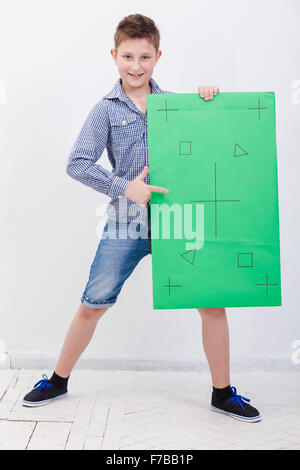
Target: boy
(118, 122)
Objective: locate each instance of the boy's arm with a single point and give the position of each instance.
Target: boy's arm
(87, 149)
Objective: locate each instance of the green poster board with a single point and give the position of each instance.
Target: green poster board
(215, 235)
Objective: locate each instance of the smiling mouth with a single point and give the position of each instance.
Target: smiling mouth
(136, 76)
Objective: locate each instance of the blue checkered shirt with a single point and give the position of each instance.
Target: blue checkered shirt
(114, 123)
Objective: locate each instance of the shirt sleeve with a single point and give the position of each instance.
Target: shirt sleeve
(87, 150)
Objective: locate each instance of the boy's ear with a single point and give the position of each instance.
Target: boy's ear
(113, 53)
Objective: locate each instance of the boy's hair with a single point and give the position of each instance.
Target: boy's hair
(137, 26)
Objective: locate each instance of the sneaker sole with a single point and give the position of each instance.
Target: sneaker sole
(254, 419)
(43, 402)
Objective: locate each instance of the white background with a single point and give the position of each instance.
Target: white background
(55, 65)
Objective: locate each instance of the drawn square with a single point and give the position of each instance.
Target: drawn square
(185, 147)
(245, 260)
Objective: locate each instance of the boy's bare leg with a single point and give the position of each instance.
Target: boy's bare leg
(215, 337)
(78, 337)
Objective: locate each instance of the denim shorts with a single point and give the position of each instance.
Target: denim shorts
(117, 255)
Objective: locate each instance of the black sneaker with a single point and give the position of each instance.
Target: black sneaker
(44, 392)
(236, 407)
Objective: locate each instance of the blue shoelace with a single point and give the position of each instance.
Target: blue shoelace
(43, 383)
(237, 398)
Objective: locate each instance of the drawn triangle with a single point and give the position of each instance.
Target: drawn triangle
(193, 256)
(241, 154)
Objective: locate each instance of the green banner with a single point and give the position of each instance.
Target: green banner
(215, 235)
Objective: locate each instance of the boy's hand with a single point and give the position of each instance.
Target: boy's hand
(140, 192)
(208, 92)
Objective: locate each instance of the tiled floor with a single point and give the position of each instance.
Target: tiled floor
(148, 410)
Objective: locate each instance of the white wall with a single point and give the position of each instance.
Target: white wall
(54, 67)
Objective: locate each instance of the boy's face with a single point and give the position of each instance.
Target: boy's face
(135, 56)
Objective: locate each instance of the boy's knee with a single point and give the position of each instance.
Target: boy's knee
(89, 313)
(211, 312)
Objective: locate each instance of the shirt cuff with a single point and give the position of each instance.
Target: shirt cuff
(118, 186)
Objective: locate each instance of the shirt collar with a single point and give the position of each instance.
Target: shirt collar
(118, 91)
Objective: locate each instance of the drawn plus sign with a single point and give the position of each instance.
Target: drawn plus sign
(267, 284)
(169, 286)
(259, 108)
(215, 200)
(166, 109)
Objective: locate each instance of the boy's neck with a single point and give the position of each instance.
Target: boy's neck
(137, 93)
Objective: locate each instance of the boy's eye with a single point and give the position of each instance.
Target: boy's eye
(143, 56)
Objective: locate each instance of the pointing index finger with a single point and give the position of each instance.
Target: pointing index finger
(158, 189)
